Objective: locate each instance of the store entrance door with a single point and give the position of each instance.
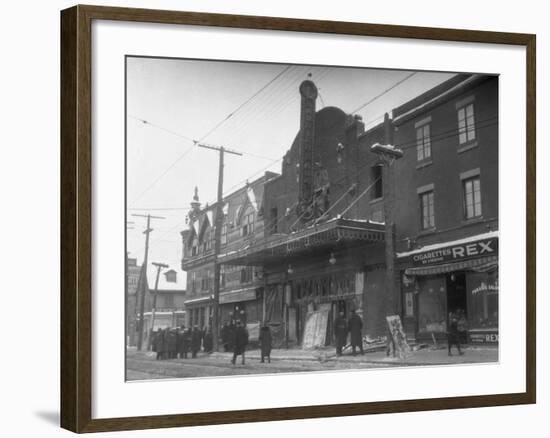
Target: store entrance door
(239, 312)
(456, 293)
(337, 306)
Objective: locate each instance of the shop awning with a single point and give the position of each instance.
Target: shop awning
(238, 295)
(199, 300)
(482, 264)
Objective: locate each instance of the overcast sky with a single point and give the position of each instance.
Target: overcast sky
(182, 100)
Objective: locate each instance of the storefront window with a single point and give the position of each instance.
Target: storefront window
(432, 305)
(482, 299)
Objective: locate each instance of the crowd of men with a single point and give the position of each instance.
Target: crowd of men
(174, 343)
(178, 342)
(353, 326)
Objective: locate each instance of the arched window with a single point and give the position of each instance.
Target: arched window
(247, 222)
(195, 246)
(207, 239)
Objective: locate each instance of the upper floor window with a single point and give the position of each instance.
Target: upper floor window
(194, 247)
(223, 237)
(206, 241)
(222, 276)
(168, 301)
(247, 224)
(206, 280)
(274, 220)
(171, 276)
(423, 142)
(466, 123)
(376, 178)
(427, 211)
(472, 197)
(246, 274)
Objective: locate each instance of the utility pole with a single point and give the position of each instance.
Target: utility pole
(217, 238)
(143, 277)
(154, 308)
(388, 153)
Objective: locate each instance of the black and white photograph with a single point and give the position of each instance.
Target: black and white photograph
(285, 218)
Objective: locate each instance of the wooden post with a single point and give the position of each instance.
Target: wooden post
(154, 308)
(217, 240)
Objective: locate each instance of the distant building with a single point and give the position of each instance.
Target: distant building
(170, 307)
(132, 279)
(171, 295)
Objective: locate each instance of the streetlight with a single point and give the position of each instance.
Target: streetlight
(388, 153)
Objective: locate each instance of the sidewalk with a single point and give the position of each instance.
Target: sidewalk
(426, 356)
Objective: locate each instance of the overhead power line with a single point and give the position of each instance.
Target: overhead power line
(481, 124)
(387, 90)
(179, 158)
(158, 178)
(245, 103)
(162, 128)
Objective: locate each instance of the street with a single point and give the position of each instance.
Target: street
(143, 365)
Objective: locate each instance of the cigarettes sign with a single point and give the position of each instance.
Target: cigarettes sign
(463, 251)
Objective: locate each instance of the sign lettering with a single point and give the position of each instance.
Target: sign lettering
(456, 252)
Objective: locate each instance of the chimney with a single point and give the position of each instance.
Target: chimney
(308, 91)
(388, 129)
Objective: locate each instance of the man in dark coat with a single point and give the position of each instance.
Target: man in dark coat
(155, 342)
(355, 326)
(224, 335)
(462, 326)
(171, 343)
(241, 340)
(208, 341)
(179, 348)
(265, 343)
(340, 332)
(161, 344)
(185, 342)
(231, 336)
(196, 337)
(203, 334)
(453, 336)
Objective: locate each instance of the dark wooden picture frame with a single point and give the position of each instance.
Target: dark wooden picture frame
(76, 218)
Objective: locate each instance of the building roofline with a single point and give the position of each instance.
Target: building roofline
(268, 175)
(445, 91)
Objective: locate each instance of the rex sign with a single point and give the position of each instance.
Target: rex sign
(458, 252)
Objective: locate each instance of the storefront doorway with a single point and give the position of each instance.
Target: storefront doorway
(239, 312)
(456, 293)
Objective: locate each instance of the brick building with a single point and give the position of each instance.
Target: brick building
(240, 286)
(324, 241)
(321, 249)
(132, 279)
(447, 207)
